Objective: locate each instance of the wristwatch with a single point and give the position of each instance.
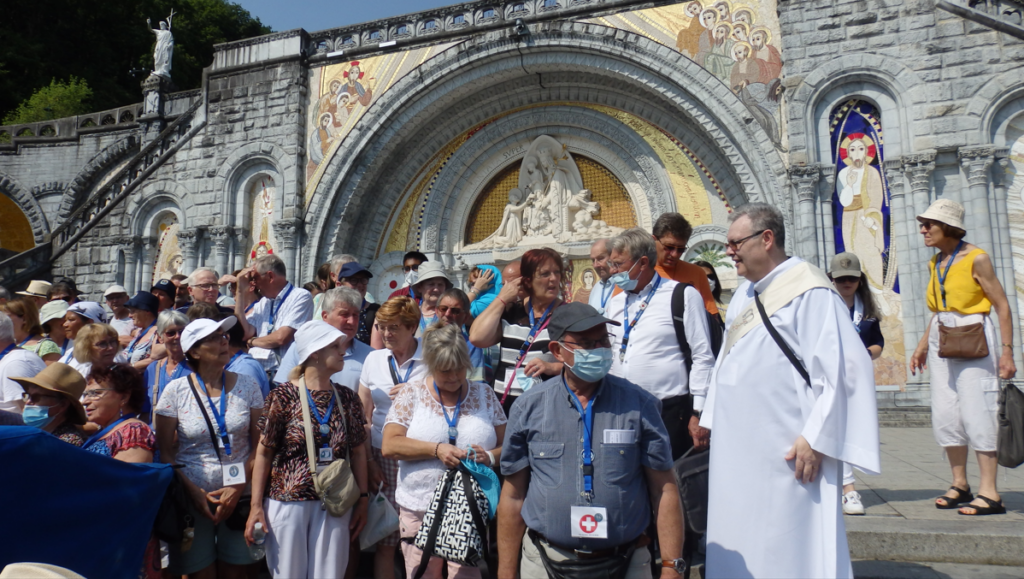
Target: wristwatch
(679, 565)
(697, 413)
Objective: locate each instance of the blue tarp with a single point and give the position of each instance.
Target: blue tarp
(68, 507)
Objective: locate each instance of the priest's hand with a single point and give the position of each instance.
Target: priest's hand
(701, 436)
(808, 460)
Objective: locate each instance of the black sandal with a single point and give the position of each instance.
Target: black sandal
(962, 496)
(993, 508)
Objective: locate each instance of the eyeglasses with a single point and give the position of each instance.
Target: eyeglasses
(95, 393)
(207, 286)
(673, 248)
(847, 279)
(454, 311)
(409, 268)
(171, 332)
(355, 280)
(605, 342)
(107, 344)
(392, 329)
(36, 399)
(214, 337)
(735, 245)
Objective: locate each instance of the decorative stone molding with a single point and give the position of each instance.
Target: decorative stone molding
(100, 164)
(188, 241)
(919, 168)
(221, 238)
(287, 231)
(893, 169)
(1000, 178)
(805, 178)
(28, 204)
(976, 161)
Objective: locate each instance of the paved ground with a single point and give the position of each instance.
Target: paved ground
(915, 471)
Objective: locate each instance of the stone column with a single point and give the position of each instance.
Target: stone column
(1004, 263)
(241, 254)
(825, 189)
(805, 180)
(188, 241)
(130, 247)
(918, 168)
(221, 238)
(148, 260)
(287, 233)
(976, 162)
(900, 249)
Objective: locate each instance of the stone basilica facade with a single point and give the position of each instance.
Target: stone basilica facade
(476, 131)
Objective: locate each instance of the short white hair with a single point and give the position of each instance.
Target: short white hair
(636, 243)
(192, 278)
(341, 295)
(338, 261)
(6, 328)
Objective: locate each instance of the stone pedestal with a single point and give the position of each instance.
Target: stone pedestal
(154, 92)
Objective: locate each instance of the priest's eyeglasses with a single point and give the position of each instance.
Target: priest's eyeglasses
(735, 245)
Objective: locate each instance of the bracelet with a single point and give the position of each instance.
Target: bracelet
(1010, 346)
(490, 456)
(435, 449)
(361, 495)
(503, 302)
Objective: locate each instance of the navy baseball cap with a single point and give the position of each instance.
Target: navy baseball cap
(575, 317)
(353, 268)
(166, 286)
(144, 301)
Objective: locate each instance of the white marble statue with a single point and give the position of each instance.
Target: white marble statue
(550, 205)
(164, 47)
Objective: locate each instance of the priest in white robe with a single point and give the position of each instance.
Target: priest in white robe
(777, 442)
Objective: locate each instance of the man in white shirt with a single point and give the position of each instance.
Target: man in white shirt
(15, 362)
(116, 296)
(271, 324)
(203, 288)
(341, 309)
(602, 292)
(645, 347)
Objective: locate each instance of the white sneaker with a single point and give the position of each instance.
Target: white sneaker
(852, 504)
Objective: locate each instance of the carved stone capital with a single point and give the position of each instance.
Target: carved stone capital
(805, 178)
(221, 236)
(976, 161)
(129, 244)
(188, 241)
(919, 168)
(894, 177)
(1000, 177)
(286, 231)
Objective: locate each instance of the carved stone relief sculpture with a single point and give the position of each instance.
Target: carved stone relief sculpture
(550, 205)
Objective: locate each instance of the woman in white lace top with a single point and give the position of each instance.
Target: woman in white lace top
(429, 428)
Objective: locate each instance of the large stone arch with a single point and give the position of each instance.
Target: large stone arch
(996, 104)
(103, 162)
(154, 198)
(29, 205)
(235, 171)
(484, 76)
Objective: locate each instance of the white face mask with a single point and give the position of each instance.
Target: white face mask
(712, 283)
(412, 277)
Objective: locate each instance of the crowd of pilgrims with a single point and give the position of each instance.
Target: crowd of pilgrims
(209, 373)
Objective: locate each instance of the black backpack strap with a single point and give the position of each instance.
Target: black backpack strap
(678, 308)
(435, 525)
(781, 342)
(474, 509)
(209, 425)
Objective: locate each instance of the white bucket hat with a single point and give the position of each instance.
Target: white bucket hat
(203, 327)
(313, 336)
(945, 211)
(430, 270)
(53, 311)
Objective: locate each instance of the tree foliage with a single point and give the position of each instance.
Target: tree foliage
(713, 255)
(100, 41)
(56, 100)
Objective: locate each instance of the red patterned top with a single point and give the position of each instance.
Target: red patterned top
(133, 434)
(283, 430)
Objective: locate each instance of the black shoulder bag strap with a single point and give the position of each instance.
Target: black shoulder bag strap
(391, 368)
(435, 525)
(209, 425)
(781, 342)
(678, 309)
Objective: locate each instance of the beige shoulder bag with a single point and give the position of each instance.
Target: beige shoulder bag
(335, 485)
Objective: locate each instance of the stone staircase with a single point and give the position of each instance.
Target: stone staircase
(1003, 15)
(37, 262)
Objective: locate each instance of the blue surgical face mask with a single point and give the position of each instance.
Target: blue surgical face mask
(591, 365)
(623, 281)
(37, 416)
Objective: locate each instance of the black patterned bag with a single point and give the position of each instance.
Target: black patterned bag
(453, 527)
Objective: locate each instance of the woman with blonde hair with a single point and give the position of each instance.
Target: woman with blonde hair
(96, 345)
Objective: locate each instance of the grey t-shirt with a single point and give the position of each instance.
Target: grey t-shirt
(544, 434)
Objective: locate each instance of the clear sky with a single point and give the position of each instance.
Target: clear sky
(316, 15)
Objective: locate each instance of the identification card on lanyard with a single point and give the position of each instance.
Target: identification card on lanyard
(605, 296)
(627, 326)
(268, 326)
(325, 454)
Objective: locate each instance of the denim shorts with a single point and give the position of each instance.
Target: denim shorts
(212, 543)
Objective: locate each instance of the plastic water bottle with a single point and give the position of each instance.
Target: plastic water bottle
(259, 536)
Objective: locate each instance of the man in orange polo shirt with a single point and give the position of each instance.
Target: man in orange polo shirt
(671, 234)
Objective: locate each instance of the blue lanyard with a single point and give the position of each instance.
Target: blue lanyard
(131, 346)
(324, 428)
(535, 329)
(249, 307)
(64, 347)
(412, 294)
(162, 378)
(394, 370)
(605, 296)
(588, 434)
(453, 432)
(423, 321)
(273, 310)
(219, 416)
(107, 430)
(942, 276)
(6, 351)
(25, 341)
(627, 326)
(237, 355)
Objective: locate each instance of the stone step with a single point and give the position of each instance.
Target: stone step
(971, 541)
(912, 417)
(900, 570)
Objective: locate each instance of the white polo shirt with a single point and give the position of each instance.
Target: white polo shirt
(18, 363)
(292, 307)
(653, 360)
(376, 377)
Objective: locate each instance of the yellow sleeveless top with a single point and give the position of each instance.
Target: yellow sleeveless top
(963, 294)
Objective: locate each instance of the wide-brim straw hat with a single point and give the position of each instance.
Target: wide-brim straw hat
(37, 571)
(945, 211)
(63, 380)
(36, 289)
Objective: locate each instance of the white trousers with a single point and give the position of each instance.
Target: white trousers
(965, 393)
(305, 541)
(848, 478)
